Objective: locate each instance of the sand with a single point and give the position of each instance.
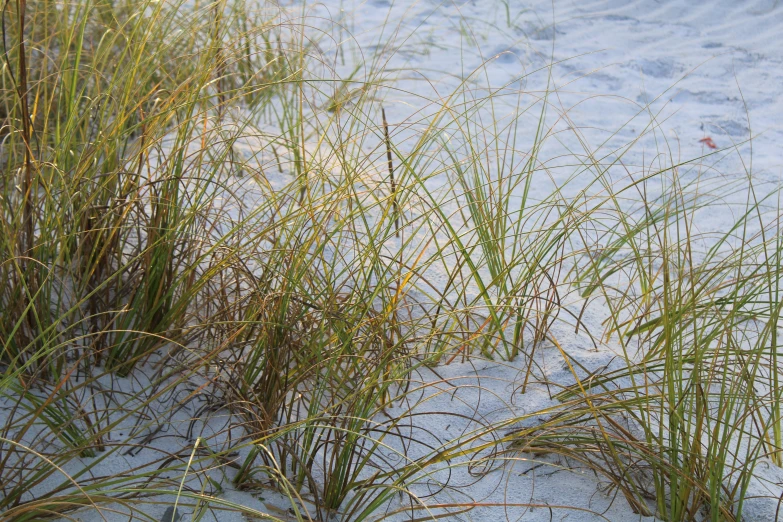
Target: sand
(701, 68)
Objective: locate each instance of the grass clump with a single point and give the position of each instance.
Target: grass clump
(227, 268)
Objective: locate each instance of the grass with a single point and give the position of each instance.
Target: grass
(227, 268)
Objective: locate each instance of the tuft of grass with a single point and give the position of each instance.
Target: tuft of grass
(680, 427)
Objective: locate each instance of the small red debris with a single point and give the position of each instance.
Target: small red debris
(708, 142)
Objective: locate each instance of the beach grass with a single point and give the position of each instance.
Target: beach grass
(221, 254)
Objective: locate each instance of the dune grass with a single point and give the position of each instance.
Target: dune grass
(219, 254)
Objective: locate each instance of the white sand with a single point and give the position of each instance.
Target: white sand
(705, 68)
